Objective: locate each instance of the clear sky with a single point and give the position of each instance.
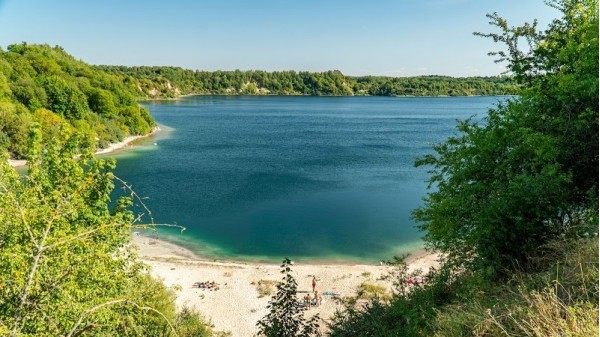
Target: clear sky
(374, 37)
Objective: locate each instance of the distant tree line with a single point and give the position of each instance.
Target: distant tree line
(175, 81)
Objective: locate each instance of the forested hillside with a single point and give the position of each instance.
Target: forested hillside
(174, 81)
(40, 84)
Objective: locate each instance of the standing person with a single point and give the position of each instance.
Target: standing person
(314, 283)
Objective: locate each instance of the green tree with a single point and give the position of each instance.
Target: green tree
(101, 102)
(64, 99)
(559, 72)
(67, 265)
(506, 187)
(286, 317)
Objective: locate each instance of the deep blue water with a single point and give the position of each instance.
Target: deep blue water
(315, 178)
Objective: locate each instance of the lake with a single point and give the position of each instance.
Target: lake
(310, 178)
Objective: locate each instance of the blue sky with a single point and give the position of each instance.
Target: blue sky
(375, 37)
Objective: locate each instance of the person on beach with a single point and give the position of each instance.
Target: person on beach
(314, 283)
(307, 300)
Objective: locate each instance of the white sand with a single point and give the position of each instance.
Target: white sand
(236, 306)
(112, 147)
(116, 146)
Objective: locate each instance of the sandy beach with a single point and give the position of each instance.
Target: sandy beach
(237, 305)
(112, 147)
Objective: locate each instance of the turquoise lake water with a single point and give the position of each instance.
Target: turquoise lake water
(310, 178)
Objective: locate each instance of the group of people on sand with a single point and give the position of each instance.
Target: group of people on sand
(316, 299)
(212, 285)
(414, 280)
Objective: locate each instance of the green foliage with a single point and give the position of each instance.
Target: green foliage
(190, 324)
(173, 81)
(13, 126)
(66, 261)
(560, 74)
(524, 177)
(65, 100)
(34, 77)
(137, 119)
(500, 193)
(372, 291)
(559, 298)
(101, 102)
(285, 317)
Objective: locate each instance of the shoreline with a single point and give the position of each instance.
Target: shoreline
(237, 305)
(163, 248)
(305, 95)
(111, 148)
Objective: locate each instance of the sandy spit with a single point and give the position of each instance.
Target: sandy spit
(112, 147)
(237, 305)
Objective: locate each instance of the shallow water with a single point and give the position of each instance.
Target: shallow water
(313, 178)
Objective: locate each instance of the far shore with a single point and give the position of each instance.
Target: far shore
(150, 99)
(237, 305)
(111, 148)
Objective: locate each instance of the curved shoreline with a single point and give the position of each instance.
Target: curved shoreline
(237, 305)
(111, 148)
(163, 248)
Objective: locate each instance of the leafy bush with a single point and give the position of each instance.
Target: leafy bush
(66, 261)
(529, 174)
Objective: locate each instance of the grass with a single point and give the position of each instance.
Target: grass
(265, 287)
(372, 291)
(561, 300)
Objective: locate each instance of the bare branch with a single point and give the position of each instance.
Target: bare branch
(136, 196)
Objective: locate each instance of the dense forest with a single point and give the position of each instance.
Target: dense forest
(514, 211)
(40, 84)
(174, 81)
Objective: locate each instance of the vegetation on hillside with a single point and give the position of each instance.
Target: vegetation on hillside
(514, 210)
(44, 85)
(68, 268)
(173, 82)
